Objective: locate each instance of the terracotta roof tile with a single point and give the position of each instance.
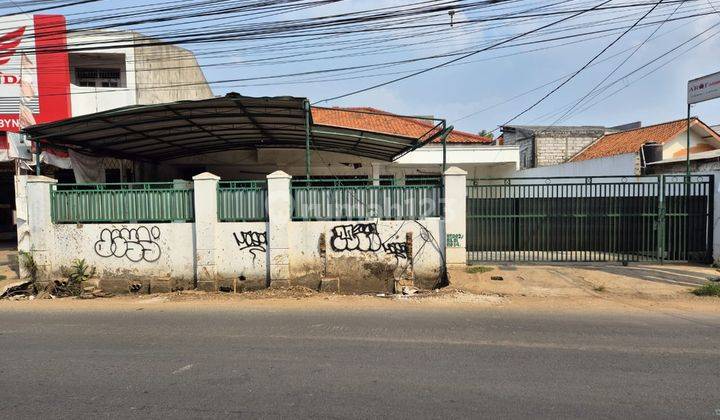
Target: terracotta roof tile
(631, 141)
(372, 119)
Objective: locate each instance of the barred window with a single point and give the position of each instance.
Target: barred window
(95, 77)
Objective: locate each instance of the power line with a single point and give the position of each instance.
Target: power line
(463, 56)
(647, 64)
(558, 87)
(330, 70)
(148, 43)
(527, 92)
(652, 70)
(616, 67)
(42, 9)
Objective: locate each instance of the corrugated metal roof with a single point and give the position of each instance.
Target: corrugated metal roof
(234, 122)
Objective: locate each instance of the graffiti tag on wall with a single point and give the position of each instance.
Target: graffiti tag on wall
(134, 244)
(358, 237)
(397, 249)
(364, 237)
(453, 240)
(254, 242)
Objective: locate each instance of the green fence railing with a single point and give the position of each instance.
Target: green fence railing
(358, 199)
(122, 203)
(242, 201)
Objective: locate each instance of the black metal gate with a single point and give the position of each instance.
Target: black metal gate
(648, 218)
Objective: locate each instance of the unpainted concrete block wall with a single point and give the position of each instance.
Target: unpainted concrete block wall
(553, 150)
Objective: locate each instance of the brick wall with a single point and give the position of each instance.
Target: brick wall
(556, 148)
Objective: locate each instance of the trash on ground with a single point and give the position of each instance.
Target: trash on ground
(409, 290)
(14, 288)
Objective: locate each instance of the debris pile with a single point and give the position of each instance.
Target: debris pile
(405, 292)
(293, 292)
(27, 289)
(16, 290)
(92, 292)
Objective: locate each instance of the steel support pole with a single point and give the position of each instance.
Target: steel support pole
(37, 158)
(687, 146)
(443, 139)
(687, 187)
(444, 145)
(306, 105)
(661, 219)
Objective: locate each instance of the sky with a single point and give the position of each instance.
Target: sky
(481, 92)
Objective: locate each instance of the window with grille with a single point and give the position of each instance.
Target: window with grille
(94, 77)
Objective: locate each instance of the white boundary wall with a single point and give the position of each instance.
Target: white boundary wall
(345, 256)
(620, 165)
(162, 250)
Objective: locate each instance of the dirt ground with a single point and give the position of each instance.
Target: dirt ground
(525, 288)
(647, 281)
(592, 287)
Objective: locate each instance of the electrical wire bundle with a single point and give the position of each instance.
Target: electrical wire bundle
(329, 44)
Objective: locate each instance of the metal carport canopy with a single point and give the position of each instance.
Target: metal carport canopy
(234, 122)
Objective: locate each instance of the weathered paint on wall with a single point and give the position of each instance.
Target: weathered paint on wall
(158, 67)
(346, 256)
(128, 251)
(242, 254)
(366, 256)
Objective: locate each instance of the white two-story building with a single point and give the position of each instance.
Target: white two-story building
(68, 74)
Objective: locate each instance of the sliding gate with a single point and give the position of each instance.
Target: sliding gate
(648, 218)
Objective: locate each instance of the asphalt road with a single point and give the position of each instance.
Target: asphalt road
(355, 363)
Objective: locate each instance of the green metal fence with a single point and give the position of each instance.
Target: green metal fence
(122, 203)
(242, 201)
(652, 218)
(358, 199)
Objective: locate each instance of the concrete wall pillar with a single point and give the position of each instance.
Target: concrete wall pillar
(455, 180)
(21, 213)
(39, 234)
(206, 224)
(279, 218)
(376, 173)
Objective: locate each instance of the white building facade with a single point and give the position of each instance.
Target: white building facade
(63, 74)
